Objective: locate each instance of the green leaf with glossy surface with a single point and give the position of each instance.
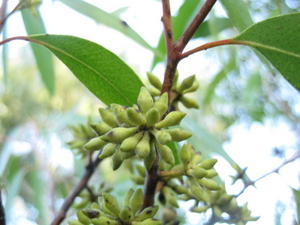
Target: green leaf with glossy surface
(180, 22)
(278, 40)
(35, 25)
(108, 19)
(238, 13)
(100, 70)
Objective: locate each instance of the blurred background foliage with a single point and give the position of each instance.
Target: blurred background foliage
(236, 90)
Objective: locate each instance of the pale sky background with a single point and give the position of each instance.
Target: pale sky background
(250, 146)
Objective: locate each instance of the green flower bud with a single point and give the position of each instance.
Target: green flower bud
(194, 87)
(154, 80)
(144, 100)
(147, 213)
(117, 160)
(118, 134)
(101, 128)
(162, 104)
(172, 119)
(83, 218)
(108, 150)
(208, 163)
(138, 180)
(154, 91)
(94, 144)
(108, 117)
(103, 220)
(111, 203)
(166, 154)
(186, 83)
(147, 222)
(209, 184)
(152, 117)
(136, 117)
(189, 102)
(217, 211)
(179, 134)
(200, 209)
(211, 173)
(74, 222)
(198, 172)
(198, 192)
(136, 201)
(141, 170)
(186, 153)
(148, 161)
(130, 143)
(128, 196)
(125, 214)
(143, 147)
(163, 137)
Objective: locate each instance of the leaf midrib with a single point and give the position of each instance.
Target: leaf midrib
(83, 63)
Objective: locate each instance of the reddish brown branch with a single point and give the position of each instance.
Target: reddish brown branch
(89, 170)
(150, 184)
(166, 19)
(276, 170)
(2, 212)
(210, 45)
(199, 18)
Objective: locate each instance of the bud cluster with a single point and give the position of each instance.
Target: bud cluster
(179, 91)
(220, 202)
(141, 130)
(108, 211)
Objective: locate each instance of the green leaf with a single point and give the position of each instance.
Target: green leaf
(231, 65)
(278, 40)
(35, 25)
(5, 57)
(101, 71)
(297, 200)
(238, 13)
(204, 30)
(180, 22)
(108, 19)
(205, 142)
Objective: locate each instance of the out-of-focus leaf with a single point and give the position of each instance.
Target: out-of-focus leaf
(180, 22)
(205, 142)
(5, 153)
(297, 200)
(278, 40)
(38, 185)
(209, 93)
(101, 71)
(119, 11)
(13, 188)
(108, 19)
(4, 58)
(238, 13)
(34, 25)
(220, 25)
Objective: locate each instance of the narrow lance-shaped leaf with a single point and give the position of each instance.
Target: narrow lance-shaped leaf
(278, 40)
(297, 200)
(108, 19)
(220, 23)
(100, 70)
(180, 21)
(5, 57)
(34, 25)
(227, 68)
